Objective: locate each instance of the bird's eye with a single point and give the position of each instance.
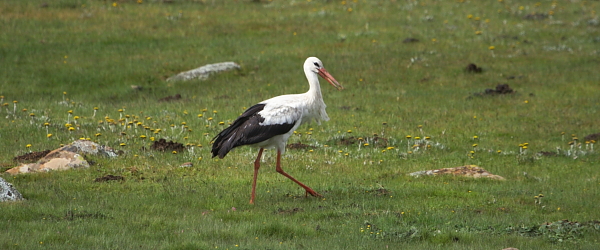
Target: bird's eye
(317, 64)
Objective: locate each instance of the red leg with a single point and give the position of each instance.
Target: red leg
(256, 167)
(280, 170)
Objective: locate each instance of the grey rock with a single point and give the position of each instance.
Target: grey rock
(8, 192)
(472, 171)
(203, 72)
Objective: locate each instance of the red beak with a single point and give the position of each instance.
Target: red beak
(323, 73)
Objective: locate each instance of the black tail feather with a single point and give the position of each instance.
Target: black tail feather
(246, 130)
(229, 138)
(222, 143)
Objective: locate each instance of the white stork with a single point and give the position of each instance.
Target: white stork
(270, 123)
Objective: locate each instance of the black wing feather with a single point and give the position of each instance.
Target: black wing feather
(246, 130)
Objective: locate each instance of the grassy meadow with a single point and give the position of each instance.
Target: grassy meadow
(67, 68)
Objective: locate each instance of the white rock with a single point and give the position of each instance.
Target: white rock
(8, 192)
(467, 171)
(203, 72)
(90, 147)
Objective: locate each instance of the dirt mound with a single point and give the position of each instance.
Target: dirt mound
(501, 89)
(31, 157)
(593, 137)
(162, 145)
(472, 68)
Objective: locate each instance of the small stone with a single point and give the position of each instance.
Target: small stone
(186, 165)
(109, 177)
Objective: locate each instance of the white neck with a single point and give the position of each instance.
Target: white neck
(315, 88)
(314, 108)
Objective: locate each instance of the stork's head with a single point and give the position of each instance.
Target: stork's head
(313, 64)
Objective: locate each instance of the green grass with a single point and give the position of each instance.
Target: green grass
(95, 51)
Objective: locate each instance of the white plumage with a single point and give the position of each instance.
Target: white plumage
(270, 123)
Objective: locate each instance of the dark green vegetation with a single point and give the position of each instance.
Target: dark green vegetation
(95, 50)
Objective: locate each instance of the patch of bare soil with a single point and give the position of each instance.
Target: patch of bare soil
(109, 177)
(162, 145)
(346, 141)
(410, 40)
(472, 68)
(71, 215)
(170, 98)
(547, 153)
(380, 192)
(76, 215)
(501, 89)
(535, 16)
(31, 157)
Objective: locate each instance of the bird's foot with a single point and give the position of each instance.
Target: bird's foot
(313, 193)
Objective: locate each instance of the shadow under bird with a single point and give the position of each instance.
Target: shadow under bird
(270, 123)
